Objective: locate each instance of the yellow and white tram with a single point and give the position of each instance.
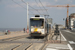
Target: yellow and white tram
(38, 26)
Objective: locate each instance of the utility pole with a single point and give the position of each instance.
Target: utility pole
(27, 18)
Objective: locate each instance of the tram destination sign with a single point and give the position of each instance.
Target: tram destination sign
(34, 19)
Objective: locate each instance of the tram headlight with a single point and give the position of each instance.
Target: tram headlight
(42, 31)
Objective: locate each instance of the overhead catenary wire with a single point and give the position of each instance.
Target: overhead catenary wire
(31, 6)
(43, 7)
(20, 5)
(38, 4)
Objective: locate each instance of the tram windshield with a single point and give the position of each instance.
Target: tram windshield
(37, 22)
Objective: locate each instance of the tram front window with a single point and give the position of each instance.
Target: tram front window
(36, 23)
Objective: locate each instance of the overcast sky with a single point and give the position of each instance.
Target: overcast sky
(14, 15)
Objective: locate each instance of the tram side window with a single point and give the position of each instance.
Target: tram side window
(42, 25)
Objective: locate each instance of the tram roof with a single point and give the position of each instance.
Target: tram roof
(38, 17)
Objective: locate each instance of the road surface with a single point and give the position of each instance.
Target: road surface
(70, 37)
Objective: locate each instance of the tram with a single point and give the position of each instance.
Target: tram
(38, 26)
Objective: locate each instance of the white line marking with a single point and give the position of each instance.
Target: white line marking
(63, 36)
(51, 49)
(71, 42)
(70, 46)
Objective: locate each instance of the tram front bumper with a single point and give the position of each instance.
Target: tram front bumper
(37, 34)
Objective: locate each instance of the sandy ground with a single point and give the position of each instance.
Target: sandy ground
(11, 32)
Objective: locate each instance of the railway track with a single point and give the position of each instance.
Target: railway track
(15, 46)
(23, 39)
(21, 46)
(23, 43)
(14, 38)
